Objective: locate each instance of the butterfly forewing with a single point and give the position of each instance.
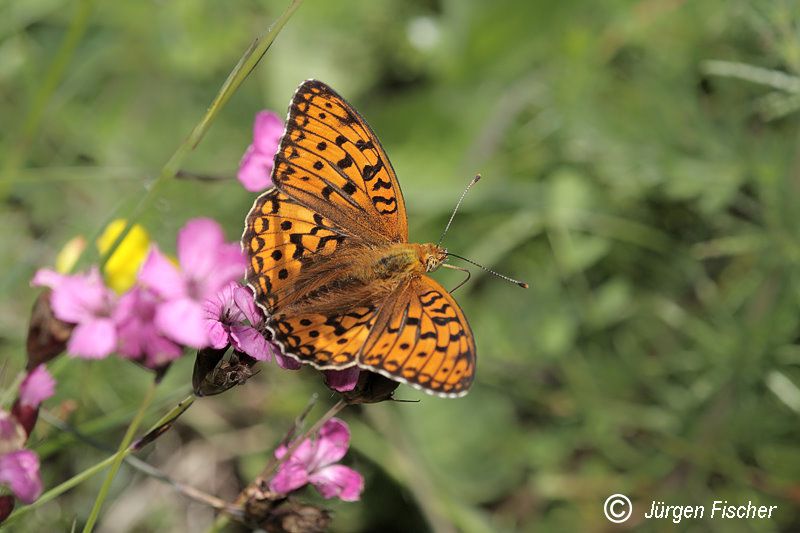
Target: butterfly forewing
(331, 161)
(281, 238)
(422, 337)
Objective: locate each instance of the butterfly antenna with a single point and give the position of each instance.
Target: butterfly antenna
(490, 271)
(463, 194)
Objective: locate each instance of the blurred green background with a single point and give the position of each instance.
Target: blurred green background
(640, 172)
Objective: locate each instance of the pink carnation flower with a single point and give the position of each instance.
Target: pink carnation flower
(83, 300)
(37, 386)
(315, 462)
(233, 318)
(19, 468)
(207, 263)
(19, 471)
(256, 165)
(139, 338)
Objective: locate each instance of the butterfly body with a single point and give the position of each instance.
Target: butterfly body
(330, 262)
(359, 275)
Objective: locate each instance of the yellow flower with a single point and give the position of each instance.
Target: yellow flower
(122, 267)
(69, 254)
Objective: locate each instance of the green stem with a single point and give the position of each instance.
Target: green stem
(240, 72)
(8, 395)
(55, 72)
(60, 489)
(119, 456)
(155, 430)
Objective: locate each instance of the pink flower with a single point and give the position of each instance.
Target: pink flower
(139, 338)
(315, 462)
(83, 300)
(256, 164)
(19, 470)
(37, 386)
(233, 318)
(342, 380)
(207, 263)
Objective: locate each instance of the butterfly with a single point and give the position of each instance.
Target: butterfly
(330, 264)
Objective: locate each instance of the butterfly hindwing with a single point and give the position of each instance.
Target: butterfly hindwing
(330, 160)
(422, 337)
(281, 237)
(325, 341)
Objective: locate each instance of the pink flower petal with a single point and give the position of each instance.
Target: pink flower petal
(139, 337)
(267, 132)
(160, 350)
(183, 321)
(229, 265)
(128, 306)
(290, 476)
(332, 442)
(80, 297)
(250, 341)
(280, 451)
(220, 313)
(8, 426)
(93, 339)
(20, 471)
(37, 386)
(304, 454)
(223, 304)
(243, 297)
(198, 242)
(342, 380)
(312, 462)
(45, 277)
(161, 276)
(218, 336)
(338, 481)
(255, 170)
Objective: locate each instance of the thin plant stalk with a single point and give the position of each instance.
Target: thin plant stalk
(8, 395)
(156, 430)
(55, 72)
(119, 456)
(146, 468)
(240, 72)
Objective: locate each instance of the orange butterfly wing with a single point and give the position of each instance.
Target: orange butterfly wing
(331, 161)
(421, 337)
(281, 236)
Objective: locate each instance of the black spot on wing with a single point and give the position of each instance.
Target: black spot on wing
(380, 201)
(345, 162)
(381, 184)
